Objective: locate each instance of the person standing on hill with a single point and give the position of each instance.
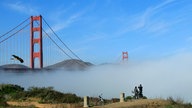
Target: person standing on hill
(136, 92)
(140, 91)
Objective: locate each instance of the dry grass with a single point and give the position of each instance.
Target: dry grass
(38, 105)
(141, 103)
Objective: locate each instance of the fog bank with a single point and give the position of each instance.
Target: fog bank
(170, 76)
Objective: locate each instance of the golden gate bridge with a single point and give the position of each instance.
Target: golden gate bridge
(36, 45)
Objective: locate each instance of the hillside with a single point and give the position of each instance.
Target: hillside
(13, 66)
(71, 64)
(46, 97)
(149, 103)
(14, 95)
(141, 103)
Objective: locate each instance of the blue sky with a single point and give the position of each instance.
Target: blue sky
(99, 30)
(156, 33)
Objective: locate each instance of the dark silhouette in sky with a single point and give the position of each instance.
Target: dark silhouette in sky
(18, 58)
(140, 87)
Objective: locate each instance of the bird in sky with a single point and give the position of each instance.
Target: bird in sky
(17, 58)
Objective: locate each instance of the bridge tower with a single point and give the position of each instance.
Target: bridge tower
(125, 56)
(36, 38)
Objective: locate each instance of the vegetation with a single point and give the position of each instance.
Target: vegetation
(9, 92)
(133, 97)
(128, 98)
(2, 101)
(48, 95)
(177, 103)
(9, 89)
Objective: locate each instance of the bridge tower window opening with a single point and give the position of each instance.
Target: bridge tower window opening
(36, 35)
(36, 48)
(37, 63)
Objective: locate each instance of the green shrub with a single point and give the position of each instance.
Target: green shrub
(2, 101)
(128, 98)
(10, 88)
(8, 91)
(21, 96)
(144, 97)
(46, 94)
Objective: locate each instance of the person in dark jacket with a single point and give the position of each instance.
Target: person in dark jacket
(140, 87)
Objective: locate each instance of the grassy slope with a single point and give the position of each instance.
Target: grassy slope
(147, 103)
(14, 95)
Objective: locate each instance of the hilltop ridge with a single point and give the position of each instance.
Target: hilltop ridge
(70, 64)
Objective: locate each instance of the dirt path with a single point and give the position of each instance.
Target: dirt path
(38, 105)
(143, 103)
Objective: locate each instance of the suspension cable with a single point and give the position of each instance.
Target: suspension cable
(56, 44)
(14, 33)
(61, 40)
(13, 28)
(60, 47)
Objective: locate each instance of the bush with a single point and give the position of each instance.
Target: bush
(21, 96)
(171, 100)
(7, 91)
(144, 97)
(2, 101)
(128, 98)
(10, 88)
(178, 103)
(46, 94)
(115, 100)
